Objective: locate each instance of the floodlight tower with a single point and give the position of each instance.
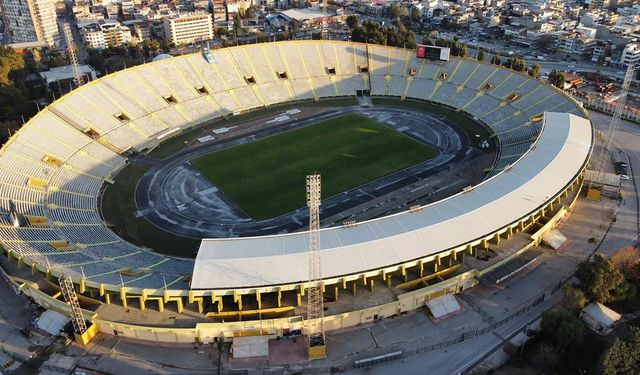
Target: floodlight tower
(323, 32)
(595, 187)
(315, 306)
(71, 298)
(78, 79)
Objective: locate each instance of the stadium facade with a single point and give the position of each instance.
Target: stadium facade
(55, 167)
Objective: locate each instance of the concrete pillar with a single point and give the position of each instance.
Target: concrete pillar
(403, 271)
(454, 255)
(344, 283)
(299, 298)
(470, 249)
(279, 297)
(237, 298)
(435, 267)
(107, 298)
(354, 288)
(496, 239)
(123, 297)
(421, 267)
(485, 244)
(258, 299)
(509, 232)
(371, 285)
(389, 281)
(335, 292)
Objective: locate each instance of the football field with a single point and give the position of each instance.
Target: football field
(266, 178)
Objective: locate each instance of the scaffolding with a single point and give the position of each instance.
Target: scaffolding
(315, 305)
(71, 298)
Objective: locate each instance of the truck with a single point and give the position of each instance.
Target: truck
(620, 166)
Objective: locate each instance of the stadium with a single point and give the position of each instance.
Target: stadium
(528, 142)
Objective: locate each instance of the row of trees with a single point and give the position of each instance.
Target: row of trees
(373, 32)
(599, 280)
(16, 99)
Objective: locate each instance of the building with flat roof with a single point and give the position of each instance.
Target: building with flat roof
(631, 54)
(31, 21)
(188, 28)
(105, 33)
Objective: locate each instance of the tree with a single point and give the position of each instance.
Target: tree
(496, 59)
(352, 21)
(545, 42)
(396, 11)
(623, 357)
(535, 71)
(627, 260)
(574, 299)
(56, 59)
(10, 61)
(557, 79)
(295, 29)
(602, 282)
(481, 55)
(516, 64)
(237, 23)
(415, 15)
(563, 327)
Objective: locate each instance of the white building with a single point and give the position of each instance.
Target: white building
(188, 28)
(631, 54)
(105, 33)
(31, 21)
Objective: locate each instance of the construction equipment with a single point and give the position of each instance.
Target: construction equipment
(78, 78)
(595, 187)
(315, 305)
(71, 298)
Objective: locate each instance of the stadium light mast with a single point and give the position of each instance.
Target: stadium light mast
(595, 187)
(78, 79)
(71, 298)
(323, 32)
(315, 307)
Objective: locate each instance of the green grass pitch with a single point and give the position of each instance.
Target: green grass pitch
(266, 178)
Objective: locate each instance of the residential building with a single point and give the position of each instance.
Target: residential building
(188, 28)
(574, 43)
(31, 21)
(631, 54)
(105, 33)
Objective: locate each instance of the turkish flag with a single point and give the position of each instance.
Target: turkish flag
(421, 52)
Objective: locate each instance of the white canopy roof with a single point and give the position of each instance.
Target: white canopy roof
(555, 159)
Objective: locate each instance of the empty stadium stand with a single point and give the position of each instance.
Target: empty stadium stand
(55, 166)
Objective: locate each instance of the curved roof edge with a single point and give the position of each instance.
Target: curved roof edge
(559, 155)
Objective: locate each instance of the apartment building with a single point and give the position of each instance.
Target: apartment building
(188, 28)
(31, 21)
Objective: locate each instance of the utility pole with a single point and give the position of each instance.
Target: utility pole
(315, 303)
